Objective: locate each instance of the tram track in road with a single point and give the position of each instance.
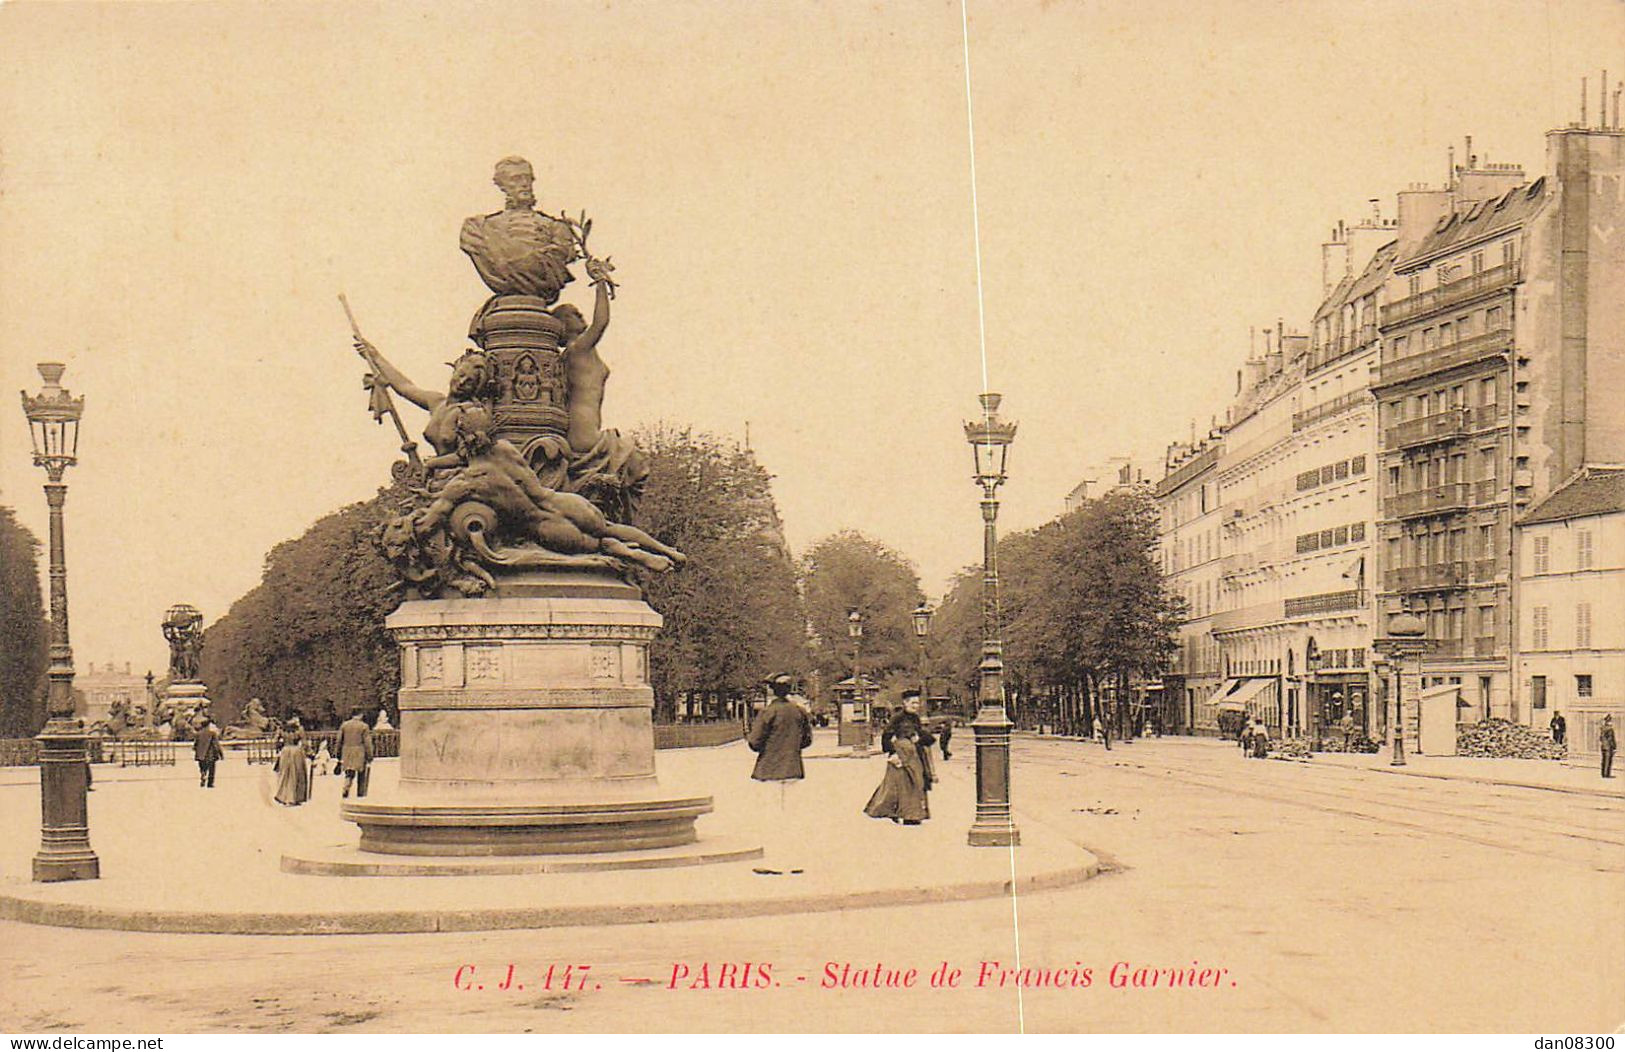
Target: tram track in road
(1359, 798)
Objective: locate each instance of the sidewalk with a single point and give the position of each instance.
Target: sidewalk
(178, 858)
(1558, 776)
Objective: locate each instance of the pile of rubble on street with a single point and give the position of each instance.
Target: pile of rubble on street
(1503, 738)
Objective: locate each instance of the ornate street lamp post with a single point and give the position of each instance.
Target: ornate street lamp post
(64, 852)
(1405, 638)
(990, 440)
(854, 631)
(922, 629)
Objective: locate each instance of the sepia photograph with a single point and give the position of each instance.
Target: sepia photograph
(590, 517)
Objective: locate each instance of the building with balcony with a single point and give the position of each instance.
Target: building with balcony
(1571, 626)
(1189, 546)
(1496, 325)
(1296, 485)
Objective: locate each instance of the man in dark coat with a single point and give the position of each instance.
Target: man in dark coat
(909, 717)
(355, 752)
(1560, 728)
(777, 737)
(779, 734)
(1608, 743)
(206, 750)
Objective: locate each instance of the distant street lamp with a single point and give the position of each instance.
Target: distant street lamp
(994, 826)
(847, 732)
(1406, 638)
(922, 629)
(64, 852)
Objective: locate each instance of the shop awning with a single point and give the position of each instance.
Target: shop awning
(1236, 694)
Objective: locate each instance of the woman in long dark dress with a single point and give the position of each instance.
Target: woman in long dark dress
(901, 795)
(293, 769)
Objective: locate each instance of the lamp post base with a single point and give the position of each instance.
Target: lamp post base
(64, 852)
(994, 826)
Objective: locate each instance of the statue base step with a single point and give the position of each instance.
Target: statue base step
(482, 828)
(351, 862)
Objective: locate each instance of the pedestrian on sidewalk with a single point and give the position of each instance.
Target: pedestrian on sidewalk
(355, 752)
(908, 719)
(1560, 728)
(1261, 740)
(946, 733)
(293, 772)
(901, 795)
(779, 733)
(1607, 743)
(207, 752)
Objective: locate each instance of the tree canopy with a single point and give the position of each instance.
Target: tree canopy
(24, 638)
(847, 571)
(310, 639)
(733, 614)
(1082, 601)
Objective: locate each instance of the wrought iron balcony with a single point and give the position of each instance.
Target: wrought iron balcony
(1434, 500)
(1486, 646)
(1325, 603)
(1329, 408)
(1488, 569)
(1461, 352)
(1440, 427)
(1452, 574)
(1448, 295)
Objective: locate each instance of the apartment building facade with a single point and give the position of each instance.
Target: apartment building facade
(1189, 545)
(1499, 321)
(1571, 581)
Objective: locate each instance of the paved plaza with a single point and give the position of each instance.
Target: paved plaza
(1314, 887)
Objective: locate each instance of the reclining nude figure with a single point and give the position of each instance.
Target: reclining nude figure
(493, 472)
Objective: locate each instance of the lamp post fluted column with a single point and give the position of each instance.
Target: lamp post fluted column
(64, 851)
(994, 825)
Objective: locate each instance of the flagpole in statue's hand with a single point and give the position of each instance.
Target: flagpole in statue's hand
(381, 404)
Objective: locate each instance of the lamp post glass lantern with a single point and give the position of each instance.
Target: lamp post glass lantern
(990, 439)
(64, 852)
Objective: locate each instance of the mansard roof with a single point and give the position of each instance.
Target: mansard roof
(1477, 219)
(1593, 490)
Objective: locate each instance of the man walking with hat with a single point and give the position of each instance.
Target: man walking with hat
(355, 752)
(777, 737)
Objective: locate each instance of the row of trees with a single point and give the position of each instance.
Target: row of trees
(1083, 603)
(24, 638)
(1083, 608)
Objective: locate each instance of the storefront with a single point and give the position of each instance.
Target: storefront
(1246, 697)
(1334, 695)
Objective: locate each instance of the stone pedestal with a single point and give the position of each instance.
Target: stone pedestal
(525, 726)
(64, 852)
(189, 697)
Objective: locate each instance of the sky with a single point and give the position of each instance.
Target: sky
(785, 190)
